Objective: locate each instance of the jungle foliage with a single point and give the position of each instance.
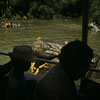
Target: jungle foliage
(47, 9)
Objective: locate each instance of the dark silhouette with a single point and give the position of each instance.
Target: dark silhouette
(58, 84)
(4, 69)
(17, 84)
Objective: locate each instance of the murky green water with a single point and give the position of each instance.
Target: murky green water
(52, 30)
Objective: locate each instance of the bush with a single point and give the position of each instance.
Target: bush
(17, 17)
(8, 13)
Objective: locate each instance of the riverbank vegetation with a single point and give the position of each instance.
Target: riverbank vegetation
(47, 9)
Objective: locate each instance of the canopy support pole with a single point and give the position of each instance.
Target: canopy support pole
(85, 21)
(84, 39)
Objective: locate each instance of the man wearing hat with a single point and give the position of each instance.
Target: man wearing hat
(20, 85)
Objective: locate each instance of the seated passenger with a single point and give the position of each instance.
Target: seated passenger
(58, 84)
(18, 84)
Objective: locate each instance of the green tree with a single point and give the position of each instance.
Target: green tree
(94, 12)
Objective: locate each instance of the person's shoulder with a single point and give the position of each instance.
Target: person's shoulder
(29, 76)
(51, 81)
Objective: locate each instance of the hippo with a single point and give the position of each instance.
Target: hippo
(45, 50)
(9, 24)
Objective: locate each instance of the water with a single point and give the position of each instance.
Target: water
(52, 30)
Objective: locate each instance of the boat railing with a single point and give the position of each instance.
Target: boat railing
(53, 62)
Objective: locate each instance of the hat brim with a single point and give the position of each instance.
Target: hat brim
(13, 56)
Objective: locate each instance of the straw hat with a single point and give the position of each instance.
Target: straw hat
(23, 52)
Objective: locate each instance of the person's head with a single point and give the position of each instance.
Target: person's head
(21, 57)
(75, 58)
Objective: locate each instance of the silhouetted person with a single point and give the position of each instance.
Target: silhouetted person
(18, 84)
(58, 84)
(4, 69)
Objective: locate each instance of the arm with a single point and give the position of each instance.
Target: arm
(4, 69)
